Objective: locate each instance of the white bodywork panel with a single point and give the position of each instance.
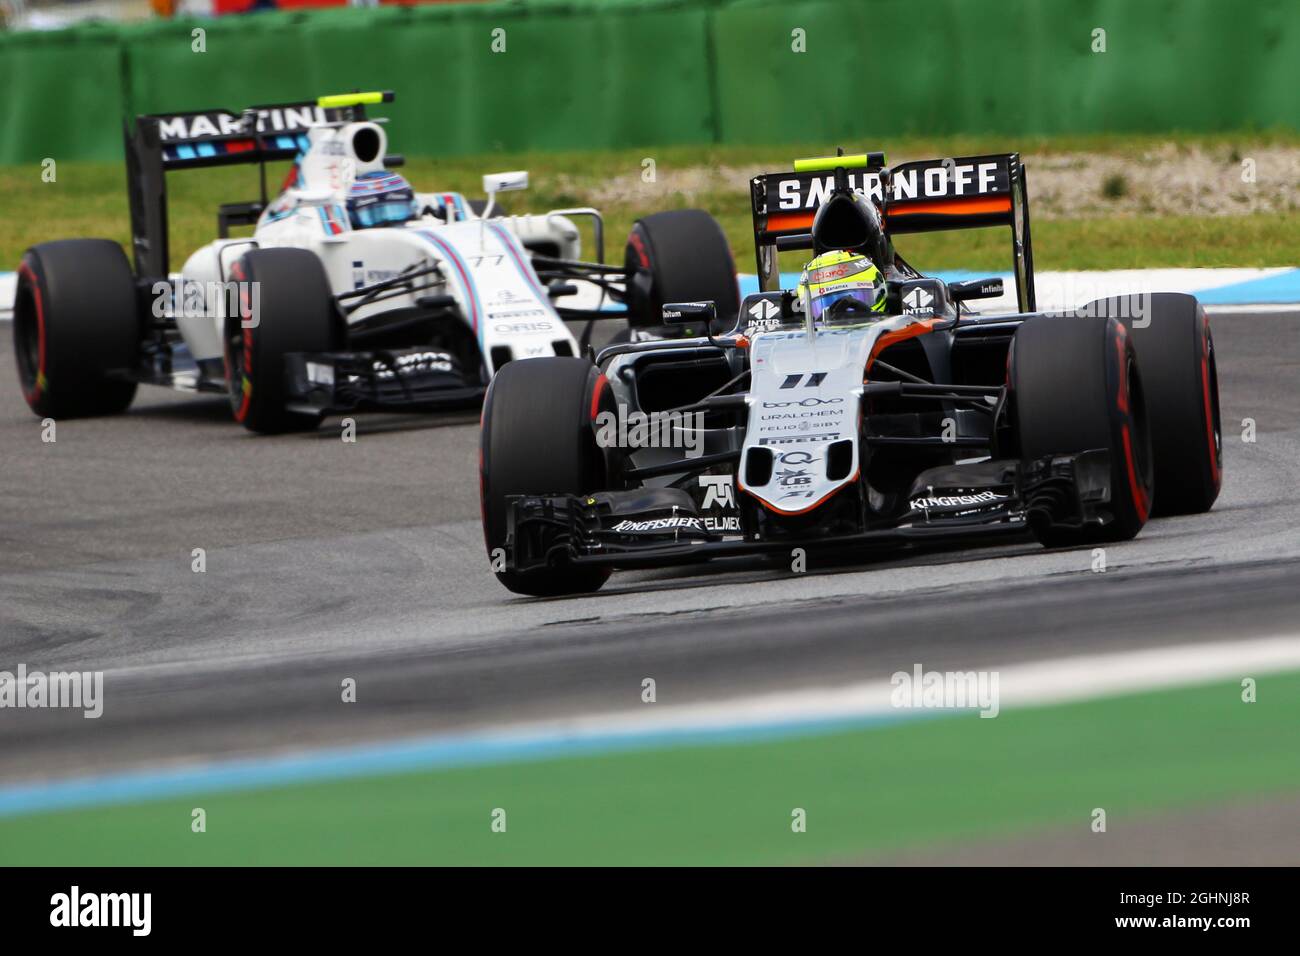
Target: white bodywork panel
(805, 393)
(484, 263)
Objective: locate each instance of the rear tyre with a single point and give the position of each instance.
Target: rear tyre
(76, 328)
(1176, 351)
(294, 312)
(1076, 386)
(537, 439)
(678, 256)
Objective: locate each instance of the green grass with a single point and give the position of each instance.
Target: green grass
(88, 199)
(921, 783)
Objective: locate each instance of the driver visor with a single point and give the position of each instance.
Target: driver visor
(383, 213)
(866, 293)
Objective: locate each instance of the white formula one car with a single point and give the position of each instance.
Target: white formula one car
(353, 292)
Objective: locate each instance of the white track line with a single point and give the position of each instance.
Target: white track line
(1263, 308)
(1057, 681)
(737, 720)
(8, 289)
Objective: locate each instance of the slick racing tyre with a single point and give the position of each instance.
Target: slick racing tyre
(293, 312)
(1075, 385)
(1171, 335)
(76, 328)
(678, 256)
(537, 439)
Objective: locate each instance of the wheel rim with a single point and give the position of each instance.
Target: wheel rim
(27, 341)
(235, 370)
(1216, 425)
(1143, 460)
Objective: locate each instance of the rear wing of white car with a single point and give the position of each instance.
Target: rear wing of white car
(965, 192)
(160, 143)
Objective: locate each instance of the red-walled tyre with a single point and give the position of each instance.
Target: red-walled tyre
(1175, 349)
(680, 255)
(76, 328)
(294, 313)
(1076, 386)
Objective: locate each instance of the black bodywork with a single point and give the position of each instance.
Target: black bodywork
(937, 444)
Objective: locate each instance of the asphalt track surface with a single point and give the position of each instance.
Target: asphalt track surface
(328, 560)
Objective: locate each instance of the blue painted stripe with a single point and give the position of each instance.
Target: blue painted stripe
(1283, 287)
(520, 259)
(397, 757)
(748, 282)
(453, 206)
(466, 277)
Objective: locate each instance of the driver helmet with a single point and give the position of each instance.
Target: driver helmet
(842, 285)
(380, 198)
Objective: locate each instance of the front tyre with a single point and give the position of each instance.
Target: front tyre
(537, 439)
(1075, 386)
(286, 297)
(1171, 334)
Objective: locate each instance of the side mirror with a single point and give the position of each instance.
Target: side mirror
(505, 182)
(689, 313)
(975, 289)
(494, 183)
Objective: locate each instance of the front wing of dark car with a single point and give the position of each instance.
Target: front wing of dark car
(661, 527)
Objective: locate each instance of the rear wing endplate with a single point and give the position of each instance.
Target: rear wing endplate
(966, 192)
(160, 143)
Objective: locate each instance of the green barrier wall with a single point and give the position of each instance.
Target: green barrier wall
(590, 74)
(61, 95)
(1004, 66)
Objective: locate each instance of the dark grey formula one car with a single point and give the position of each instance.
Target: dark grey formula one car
(868, 406)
